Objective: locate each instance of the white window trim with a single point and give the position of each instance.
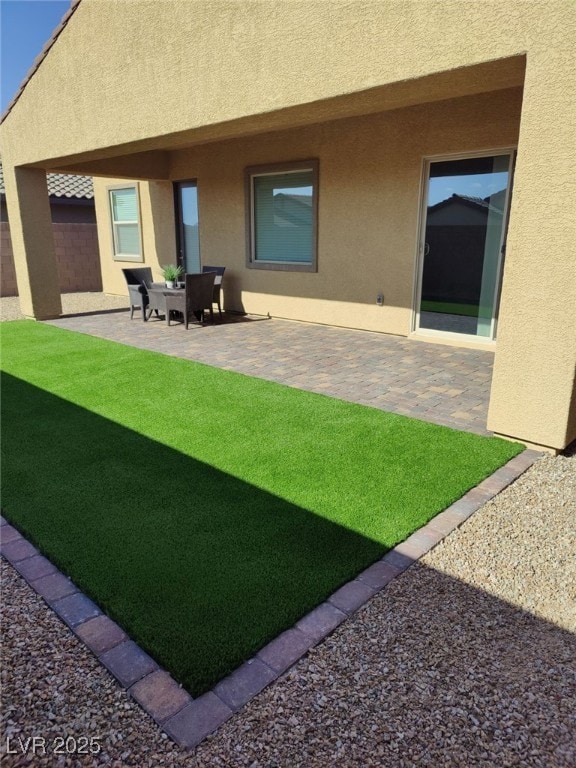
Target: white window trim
(134, 257)
(462, 339)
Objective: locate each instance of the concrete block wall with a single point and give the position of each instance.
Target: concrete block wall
(8, 285)
(77, 256)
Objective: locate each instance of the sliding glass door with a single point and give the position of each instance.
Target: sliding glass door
(187, 225)
(463, 244)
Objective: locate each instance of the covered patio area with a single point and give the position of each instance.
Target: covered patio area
(436, 383)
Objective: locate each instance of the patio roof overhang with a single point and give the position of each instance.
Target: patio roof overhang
(149, 157)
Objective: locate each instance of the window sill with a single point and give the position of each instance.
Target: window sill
(279, 266)
(127, 257)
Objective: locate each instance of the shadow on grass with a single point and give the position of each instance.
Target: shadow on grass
(199, 567)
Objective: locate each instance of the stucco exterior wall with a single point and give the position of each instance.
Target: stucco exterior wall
(32, 242)
(254, 58)
(534, 383)
(369, 203)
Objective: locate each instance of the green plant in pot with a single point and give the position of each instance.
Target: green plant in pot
(172, 274)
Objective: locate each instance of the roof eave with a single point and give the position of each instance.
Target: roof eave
(41, 56)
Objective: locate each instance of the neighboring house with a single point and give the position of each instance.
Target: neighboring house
(75, 236)
(304, 146)
(455, 237)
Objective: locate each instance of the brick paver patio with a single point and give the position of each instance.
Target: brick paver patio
(437, 383)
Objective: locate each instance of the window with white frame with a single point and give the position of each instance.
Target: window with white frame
(282, 215)
(124, 212)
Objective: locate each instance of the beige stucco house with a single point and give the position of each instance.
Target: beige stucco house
(312, 147)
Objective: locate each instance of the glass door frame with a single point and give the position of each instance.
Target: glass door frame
(424, 187)
(177, 185)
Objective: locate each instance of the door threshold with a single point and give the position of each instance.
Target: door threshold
(467, 342)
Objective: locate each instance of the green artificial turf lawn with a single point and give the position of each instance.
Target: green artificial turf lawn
(206, 511)
(450, 308)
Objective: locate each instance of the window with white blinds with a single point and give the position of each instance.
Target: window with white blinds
(282, 226)
(125, 223)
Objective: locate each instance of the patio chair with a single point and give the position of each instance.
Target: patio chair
(217, 286)
(137, 280)
(156, 300)
(196, 297)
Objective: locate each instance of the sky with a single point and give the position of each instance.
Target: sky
(25, 25)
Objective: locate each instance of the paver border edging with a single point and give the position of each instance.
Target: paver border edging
(189, 721)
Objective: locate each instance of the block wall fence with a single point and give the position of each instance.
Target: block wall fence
(77, 257)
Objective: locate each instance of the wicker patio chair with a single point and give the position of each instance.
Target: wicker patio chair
(137, 280)
(216, 298)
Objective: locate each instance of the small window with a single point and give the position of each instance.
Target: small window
(282, 207)
(125, 223)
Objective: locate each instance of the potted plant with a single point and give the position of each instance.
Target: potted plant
(171, 274)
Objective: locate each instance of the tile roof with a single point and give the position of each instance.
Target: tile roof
(481, 201)
(66, 185)
(62, 185)
(493, 203)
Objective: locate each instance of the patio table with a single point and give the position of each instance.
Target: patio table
(157, 293)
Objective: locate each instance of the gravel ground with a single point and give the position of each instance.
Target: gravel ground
(71, 303)
(467, 659)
